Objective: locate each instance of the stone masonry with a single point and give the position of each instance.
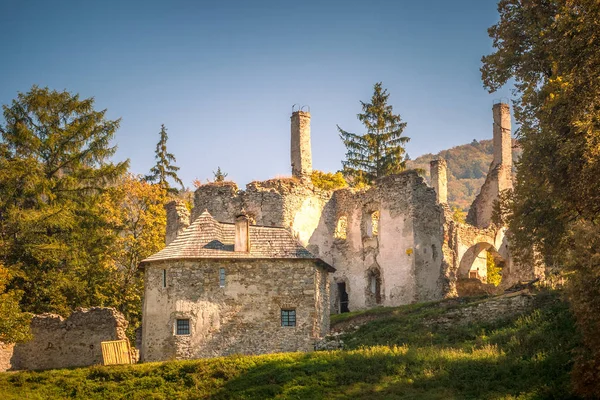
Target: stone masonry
(391, 244)
(71, 342)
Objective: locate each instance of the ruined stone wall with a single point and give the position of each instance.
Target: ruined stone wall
(6, 353)
(71, 342)
(178, 218)
(489, 310)
(407, 253)
(242, 317)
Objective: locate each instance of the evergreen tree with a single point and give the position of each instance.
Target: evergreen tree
(164, 168)
(380, 151)
(53, 169)
(219, 175)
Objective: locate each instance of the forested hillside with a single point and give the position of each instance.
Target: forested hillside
(468, 165)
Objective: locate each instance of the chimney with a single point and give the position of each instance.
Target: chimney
(178, 218)
(300, 150)
(439, 180)
(502, 138)
(242, 234)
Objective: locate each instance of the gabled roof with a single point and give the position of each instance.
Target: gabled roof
(208, 238)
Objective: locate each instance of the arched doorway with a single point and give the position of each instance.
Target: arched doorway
(483, 262)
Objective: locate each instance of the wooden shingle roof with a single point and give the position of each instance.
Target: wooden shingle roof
(208, 238)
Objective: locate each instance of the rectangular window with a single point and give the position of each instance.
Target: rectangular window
(182, 327)
(222, 277)
(164, 278)
(288, 317)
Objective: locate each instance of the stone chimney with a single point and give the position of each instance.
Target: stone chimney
(242, 233)
(300, 151)
(439, 180)
(178, 218)
(502, 139)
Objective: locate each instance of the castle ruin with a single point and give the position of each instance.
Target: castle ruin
(391, 244)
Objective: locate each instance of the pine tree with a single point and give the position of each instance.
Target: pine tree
(219, 175)
(380, 151)
(164, 168)
(54, 166)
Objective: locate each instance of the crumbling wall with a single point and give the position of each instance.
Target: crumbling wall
(71, 342)
(407, 253)
(6, 353)
(243, 316)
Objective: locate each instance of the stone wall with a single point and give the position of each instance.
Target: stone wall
(71, 342)
(407, 253)
(489, 310)
(242, 317)
(6, 353)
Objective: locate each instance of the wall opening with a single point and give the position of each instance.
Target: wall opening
(372, 224)
(341, 229)
(342, 298)
(373, 290)
(482, 262)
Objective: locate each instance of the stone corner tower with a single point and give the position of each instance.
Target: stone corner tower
(439, 180)
(499, 177)
(178, 218)
(502, 139)
(300, 149)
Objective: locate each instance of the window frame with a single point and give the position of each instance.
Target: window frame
(222, 277)
(288, 318)
(188, 327)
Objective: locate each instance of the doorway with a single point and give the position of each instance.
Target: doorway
(343, 297)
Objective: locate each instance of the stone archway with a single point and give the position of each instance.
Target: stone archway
(475, 260)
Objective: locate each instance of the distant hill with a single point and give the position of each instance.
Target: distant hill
(468, 166)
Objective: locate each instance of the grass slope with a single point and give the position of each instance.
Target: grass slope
(395, 356)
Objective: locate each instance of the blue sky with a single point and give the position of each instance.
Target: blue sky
(223, 75)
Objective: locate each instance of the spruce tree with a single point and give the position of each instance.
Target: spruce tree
(219, 175)
(54, 166)
(380, 150)
(164, 168)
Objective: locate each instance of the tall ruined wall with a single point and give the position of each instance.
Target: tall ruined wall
(404, 255)
(71, 342)
(243, 316)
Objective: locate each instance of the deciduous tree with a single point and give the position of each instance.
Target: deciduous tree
(551, 49)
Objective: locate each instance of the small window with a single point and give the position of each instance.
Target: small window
(375, 223)
(222, 277)
(288, 317)
(341, 228)
(372, 224)
(164, 280)
(183, 327)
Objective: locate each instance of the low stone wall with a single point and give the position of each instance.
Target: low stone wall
(6, 353)
(64, 343)
(489, 310)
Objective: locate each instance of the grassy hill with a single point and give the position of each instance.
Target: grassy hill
(394, 356)
(467, 168)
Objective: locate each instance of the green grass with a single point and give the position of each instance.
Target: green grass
(392, 357)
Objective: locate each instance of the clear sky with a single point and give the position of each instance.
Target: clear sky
(223, 75)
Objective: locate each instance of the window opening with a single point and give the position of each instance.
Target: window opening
(183, 327)
(288, 317)
(341, 230)
(222, 277)
(164, 280)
